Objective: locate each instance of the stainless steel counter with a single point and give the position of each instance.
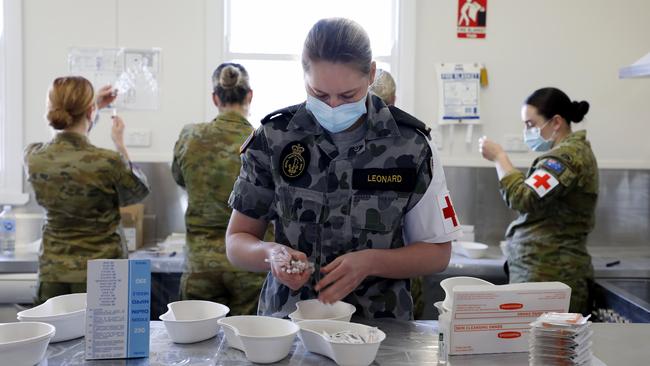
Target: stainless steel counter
(407, 343)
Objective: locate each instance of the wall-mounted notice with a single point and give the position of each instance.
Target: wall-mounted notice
(459, 93)
(472, 15)
(134, 73)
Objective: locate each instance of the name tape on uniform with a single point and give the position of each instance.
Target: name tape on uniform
(542, 182)
(390, 179)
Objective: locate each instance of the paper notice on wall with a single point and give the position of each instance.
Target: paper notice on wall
(472, 15)
(458, 93)
(134, 73)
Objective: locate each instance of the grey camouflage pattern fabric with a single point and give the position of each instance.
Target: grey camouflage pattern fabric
(320, 214)
(81, 187)
(548, 240)
(206, 164)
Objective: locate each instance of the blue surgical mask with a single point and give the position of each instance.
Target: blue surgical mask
(533, 138)
(339, 118)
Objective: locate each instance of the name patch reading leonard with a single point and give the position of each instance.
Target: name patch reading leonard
(294, 160)
(389, 179)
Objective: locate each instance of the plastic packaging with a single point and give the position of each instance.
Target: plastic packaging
(7, 231)
(561, 339)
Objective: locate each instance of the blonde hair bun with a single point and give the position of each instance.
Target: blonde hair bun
(60, 118)
(229, 77)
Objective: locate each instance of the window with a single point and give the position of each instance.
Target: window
(267, 37)
(11, 124)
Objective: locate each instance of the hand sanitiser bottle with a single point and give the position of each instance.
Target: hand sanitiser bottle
(7, 231)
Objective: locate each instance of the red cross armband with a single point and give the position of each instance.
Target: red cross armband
(433, 219)
(542, 182)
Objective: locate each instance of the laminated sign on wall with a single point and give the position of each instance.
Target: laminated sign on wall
(472, 16)
(458, 93)
(133, 73)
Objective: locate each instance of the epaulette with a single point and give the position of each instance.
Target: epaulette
(403, 118)
(288, 111)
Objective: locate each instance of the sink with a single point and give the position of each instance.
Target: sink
(623, 299)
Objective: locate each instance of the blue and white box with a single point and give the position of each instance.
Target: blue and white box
(118, 308)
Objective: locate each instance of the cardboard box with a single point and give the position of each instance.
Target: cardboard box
(118, 308)
(132, 219)
(495, 319)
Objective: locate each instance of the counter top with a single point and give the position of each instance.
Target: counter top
(407, 343)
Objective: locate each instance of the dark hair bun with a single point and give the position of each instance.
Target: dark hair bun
(59, 118)
(578, 110)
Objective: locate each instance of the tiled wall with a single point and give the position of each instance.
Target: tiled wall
(622, 217)
(622, 214)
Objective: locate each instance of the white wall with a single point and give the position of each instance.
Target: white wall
(575, 45)
(51, 27)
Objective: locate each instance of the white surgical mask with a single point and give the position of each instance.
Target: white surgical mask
(339, 118)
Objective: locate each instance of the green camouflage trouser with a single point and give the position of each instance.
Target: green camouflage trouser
(239, 290)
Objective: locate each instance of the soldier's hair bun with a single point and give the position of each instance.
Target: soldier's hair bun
(579, 109)
(68, 100)
(229, 77)
(553, 101)
(230, 83)
(60, 119)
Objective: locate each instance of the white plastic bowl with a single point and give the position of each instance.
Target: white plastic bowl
(472, 249)
(67, 313)
(316, 310)
(345, 354)
(192, 321)
(448, 285)
(263, 339)
(24, 343)
(439, 307)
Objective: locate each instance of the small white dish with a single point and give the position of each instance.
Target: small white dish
(316, 310)
(439, 307)
(471, 249)
(448, 285)
(67, 313)
(263, 339)
(24, 343)
(344, 354)
(193, 321)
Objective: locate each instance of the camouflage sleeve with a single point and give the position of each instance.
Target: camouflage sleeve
(130, 182)
(254, 189)
(26, 153)
(179, 150)
(550, 179)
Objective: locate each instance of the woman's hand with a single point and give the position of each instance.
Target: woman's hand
(105, 96)
(489, 149)
(279, 267)
(343, 275)
(117, 131)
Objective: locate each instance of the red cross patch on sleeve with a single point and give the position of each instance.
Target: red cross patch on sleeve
(542, 182)
(449, 218)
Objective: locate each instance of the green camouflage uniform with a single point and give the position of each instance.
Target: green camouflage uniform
(81, 187)
(556, 203)
(293, 174)
(206, 163)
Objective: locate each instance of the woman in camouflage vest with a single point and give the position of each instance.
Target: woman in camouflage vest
(555, 200)
(80, 186)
